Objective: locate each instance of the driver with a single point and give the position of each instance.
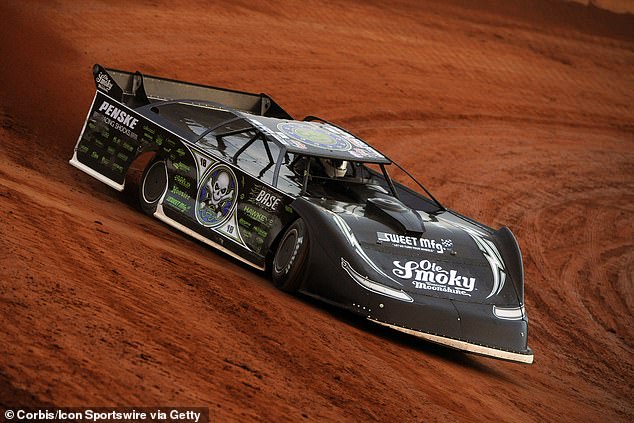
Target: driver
(334, 168)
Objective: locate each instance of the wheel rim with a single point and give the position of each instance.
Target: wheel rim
(286, 251)
(154, 183)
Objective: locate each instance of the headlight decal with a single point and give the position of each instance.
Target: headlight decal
(512, 313)
(373, 286)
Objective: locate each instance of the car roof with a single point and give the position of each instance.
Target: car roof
(311, 138)
(316, 138)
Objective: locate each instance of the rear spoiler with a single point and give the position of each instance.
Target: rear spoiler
(136, 90)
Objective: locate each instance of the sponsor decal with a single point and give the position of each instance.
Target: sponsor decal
(286, 140)
(105, 84)
(264, 199)
(217, 196)
(180, 193)
(256, 215)
(182, 181)
(430, 276)
(118, 115)
(115, 125)
(178, 204)
(414, 243)
(314, 135)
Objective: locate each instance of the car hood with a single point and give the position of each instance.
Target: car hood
(443, 255)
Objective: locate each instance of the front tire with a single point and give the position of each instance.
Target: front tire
(153, 186)
(290, 257)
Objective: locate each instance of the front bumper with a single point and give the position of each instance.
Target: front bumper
(470, 327)
(525, 357)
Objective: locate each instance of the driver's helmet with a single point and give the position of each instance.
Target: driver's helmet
(334, 168)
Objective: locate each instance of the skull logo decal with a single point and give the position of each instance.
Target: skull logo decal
(217, 196)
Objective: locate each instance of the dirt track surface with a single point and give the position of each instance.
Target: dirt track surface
(517, 114)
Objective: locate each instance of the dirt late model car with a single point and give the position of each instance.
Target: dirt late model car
(311, 204)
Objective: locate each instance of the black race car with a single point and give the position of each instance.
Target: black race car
(310, 203)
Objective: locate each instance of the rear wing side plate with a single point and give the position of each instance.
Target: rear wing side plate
(135, 90)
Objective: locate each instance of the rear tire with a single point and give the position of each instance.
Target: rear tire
(153, 186)
(289, 262)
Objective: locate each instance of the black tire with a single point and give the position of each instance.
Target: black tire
(289, 262)
(152, 187)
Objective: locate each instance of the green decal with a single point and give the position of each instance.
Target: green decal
(182, 167)
(255, 215)
(244, 223)
(182, 207)
(176, 191)
(182, 181)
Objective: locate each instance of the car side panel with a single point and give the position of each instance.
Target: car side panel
(113, 136)
(245, 220)
(226, 205)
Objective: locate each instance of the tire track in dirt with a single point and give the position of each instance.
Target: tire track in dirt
(507, 118)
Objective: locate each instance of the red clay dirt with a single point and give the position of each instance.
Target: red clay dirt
(515, 113)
